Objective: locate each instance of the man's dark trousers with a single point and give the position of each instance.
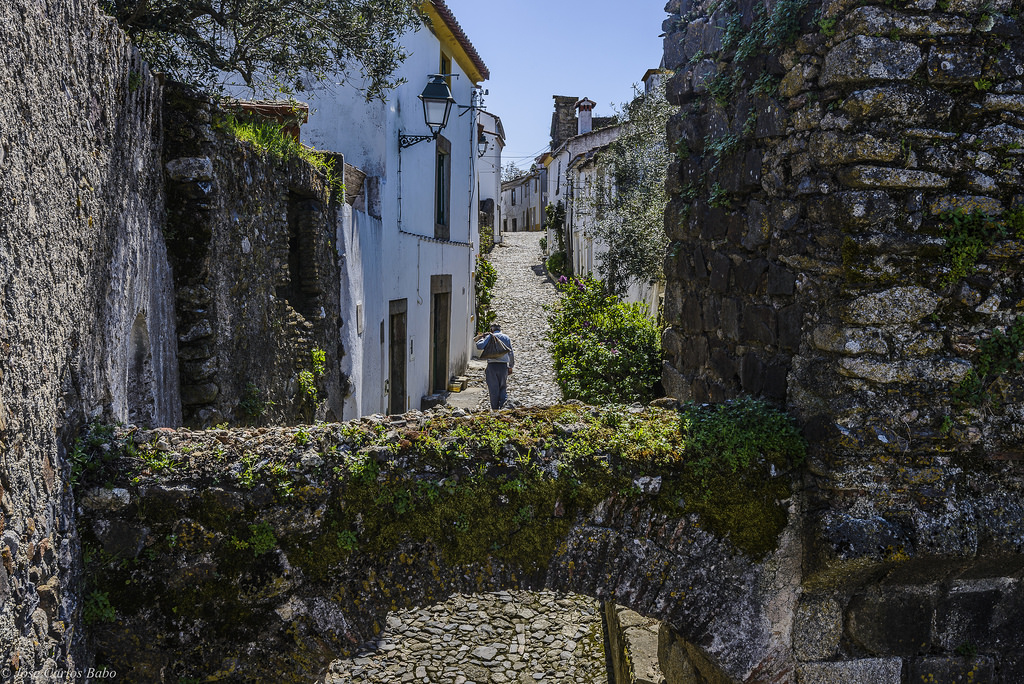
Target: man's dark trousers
(497, 383)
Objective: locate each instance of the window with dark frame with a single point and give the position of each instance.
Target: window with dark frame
(442, 189)
(446, 68)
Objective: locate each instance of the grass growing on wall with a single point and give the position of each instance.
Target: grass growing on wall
(270, 138)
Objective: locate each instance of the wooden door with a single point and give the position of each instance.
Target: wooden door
(439, 341)
(397, 342)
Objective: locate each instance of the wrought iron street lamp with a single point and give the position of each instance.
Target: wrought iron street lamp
(481, 146)
(437, 105)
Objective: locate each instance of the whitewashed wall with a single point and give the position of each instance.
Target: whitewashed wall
(395, 257)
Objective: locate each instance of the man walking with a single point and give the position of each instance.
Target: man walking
(498, 367)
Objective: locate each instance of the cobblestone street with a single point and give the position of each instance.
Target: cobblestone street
(520, 295)
(514, 637)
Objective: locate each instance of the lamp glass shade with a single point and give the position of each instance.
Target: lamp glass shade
(437, 103)
(481, 146)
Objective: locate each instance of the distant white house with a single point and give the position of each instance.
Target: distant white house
(523, 201)
(490, 141)
(410, 241)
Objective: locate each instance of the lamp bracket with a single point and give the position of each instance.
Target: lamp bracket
(410, 140)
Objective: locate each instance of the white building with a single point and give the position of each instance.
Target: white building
(491, 141)
(410, 241)
(523, 201)
(565, 185)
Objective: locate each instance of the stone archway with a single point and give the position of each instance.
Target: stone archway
(265, 553)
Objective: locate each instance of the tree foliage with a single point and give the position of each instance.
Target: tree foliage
(630, 209)
(511, 172)
(274, 46)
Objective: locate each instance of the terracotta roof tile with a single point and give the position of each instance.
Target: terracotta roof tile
(460, 35)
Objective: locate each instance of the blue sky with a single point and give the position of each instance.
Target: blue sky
(538, 48)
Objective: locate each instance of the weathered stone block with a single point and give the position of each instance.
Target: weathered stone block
(891, 178)
(190, 169)
(674, 383)
(776, 381)
(1000, 136)
(968, 204)
(790, 322)
(712, 223)
(724, 365)
(771, 118)
(674, 659)
(955, 66)
(965, 615)
(793, 82)
(892, 306)
(691, 317)
(759, 324)
(828, 148)
(891, 621)
(711, 308)
(865, 671)
(1011, 669)
(700, 265)
(674, 48)
(873, 20)
(741, 173)
(854, 209)
(979, 182)
(720, 266)
(677, 216)
(882, 372)
(951, 670)
(729, 318)
(907, 104)
(817, 627)
(749, 275)
(862, 59)
(197, 331)
(850, 341)
(781, 281)
(752, 374)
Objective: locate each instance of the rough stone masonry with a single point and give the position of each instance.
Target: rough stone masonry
(846, 226)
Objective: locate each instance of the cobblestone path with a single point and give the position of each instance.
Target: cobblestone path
(514, 637)
(520, 295)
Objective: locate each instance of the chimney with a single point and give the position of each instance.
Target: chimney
(563, 121)
(585, 121)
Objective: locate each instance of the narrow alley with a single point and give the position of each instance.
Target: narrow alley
(520, 295)
(514, 637)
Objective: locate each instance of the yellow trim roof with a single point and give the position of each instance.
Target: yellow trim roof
(454, 40)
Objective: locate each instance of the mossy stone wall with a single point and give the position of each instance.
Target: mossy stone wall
(846, 217)
(252, 241)
(266, 553)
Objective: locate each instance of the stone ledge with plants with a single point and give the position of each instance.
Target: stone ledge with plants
(205, 547)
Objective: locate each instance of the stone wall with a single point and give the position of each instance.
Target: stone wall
(87, 323)
(846, 225)
(256, 273)
(814, 259)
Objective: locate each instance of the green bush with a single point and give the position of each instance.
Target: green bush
(604, 350)
(557, 264)
(486, 277)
